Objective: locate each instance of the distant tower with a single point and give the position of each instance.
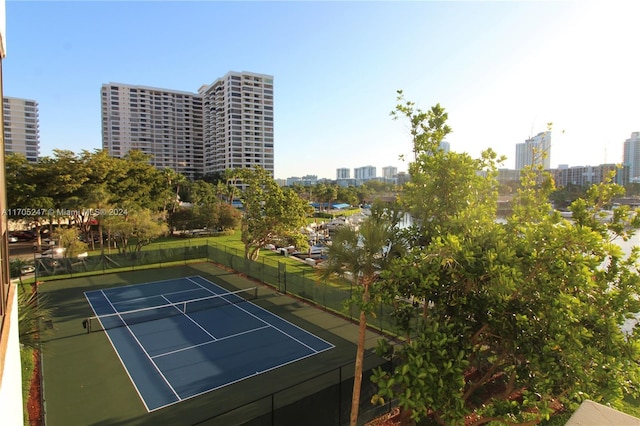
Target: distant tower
(343, 173)
(534, 151)
(631, 156)
(228, 124)
(21, 127)
(238, 122)
(389, 172)
(364, 173)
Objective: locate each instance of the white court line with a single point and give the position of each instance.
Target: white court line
(156, 295)
(144, 284)
(213, 341)
(118, 355)
(271, 314)
(191, 319)
(143, 350)
(266, 322)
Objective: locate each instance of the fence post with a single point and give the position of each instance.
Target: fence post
(339, 394)
(273, 409)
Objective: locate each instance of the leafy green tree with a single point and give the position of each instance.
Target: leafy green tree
(347, 195)
(27, 199)
(182, 219)
(511, 319)
(203, 193)
(270, 212)
(319, 192)
(226, 216)
(360, 255)
(135, 230)
(70, 242)
(142, 187)
(20, 185)
(330, 194)
(60, 176)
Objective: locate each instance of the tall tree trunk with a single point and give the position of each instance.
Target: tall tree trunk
(357, 376)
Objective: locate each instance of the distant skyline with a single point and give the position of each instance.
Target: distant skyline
(502, 70)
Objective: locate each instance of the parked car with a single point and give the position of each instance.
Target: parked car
(58, 253)
(24, 235)
(27, 269)
(47, 244)
(13, 238)
(54, 253)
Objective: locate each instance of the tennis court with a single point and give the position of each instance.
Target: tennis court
(183, 337)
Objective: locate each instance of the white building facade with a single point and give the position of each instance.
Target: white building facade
(343, 173)
(534, 151)
(631, 156)
(21, 127)
(226, 125)
(238, 122)
(389, 172)
(165, 124)
(364, 173)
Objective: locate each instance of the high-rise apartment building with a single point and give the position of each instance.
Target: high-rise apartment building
(389, 172)
(364, 173)
(534, 151)
(21, 127)
(631, 156)
(238, 122)
(343, 173)
(165, 124)
(226, 125)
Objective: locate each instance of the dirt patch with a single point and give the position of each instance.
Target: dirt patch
(389, 419)
(34, 402)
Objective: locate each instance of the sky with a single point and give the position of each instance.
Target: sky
(502, 70)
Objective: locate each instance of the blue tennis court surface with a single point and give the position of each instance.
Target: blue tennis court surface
(177, 350)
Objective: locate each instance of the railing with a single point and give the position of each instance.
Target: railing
(324, 399)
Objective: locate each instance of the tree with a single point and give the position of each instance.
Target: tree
(143, 186)
(231, 177)
(20, 185)
(330, 193)
(361, 255)
(226, 216)
(143, 226)
(70, 242)
(203, 193)
(270, 212)
(31, 310)
(512, 320)
(347, 195)
(15, 268)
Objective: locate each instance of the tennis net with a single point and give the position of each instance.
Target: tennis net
(136, 316)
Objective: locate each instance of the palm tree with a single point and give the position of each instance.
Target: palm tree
(15, 268)
(30, 313)
(231, 179)
(361, 255)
